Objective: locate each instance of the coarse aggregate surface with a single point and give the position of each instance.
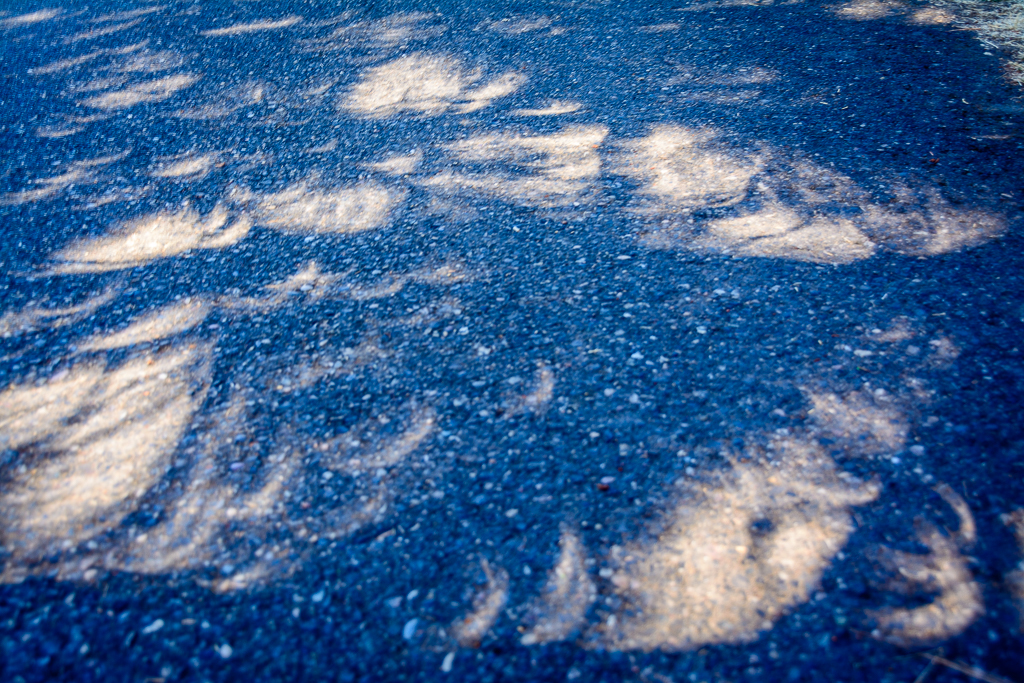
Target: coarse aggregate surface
(519, 341)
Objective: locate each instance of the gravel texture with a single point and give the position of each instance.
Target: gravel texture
(508, 341)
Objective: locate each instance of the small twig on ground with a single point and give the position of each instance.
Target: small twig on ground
(924, 672)
(972, 671)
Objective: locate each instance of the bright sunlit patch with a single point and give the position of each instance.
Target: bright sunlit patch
(149, 91)
(186, 166)
(778, 233)
(943, 351)
(913, 220)
(225, 102)
(58, 132)
(33, 318)
(130, 14)
(355, 457)
(253, 27)
(169, 321)
(78, 173)
(442, 275)
(344, 210)
(488, 601)
(102, 31)
(29, 19)
(862, 422)
(788, 214)
(160, 235)
(66, 64)
(537, 398)
(720, 96)
(482, 96)
(393, 31)
(931, 17)
(922, 222)
(401, 164)
(306, 375)
(661, 28)
(735, 556)
(189, 536)
(71, 125)
(899, 330)
(318, 88)
(556, 108)
(50, 186)
(452, 208)
(308, 280)
(372, 447)
(514, 26)
(326, 147)
(108, 434)
(561, 608)
(944, 570)
(98, 84)
(692, 74)
(147, 61)
(865, 10)
(425, 84)
(536, 170)
(718, 4)
(392, 283)
(312, 284)
(114, 195)
(92, 440)
(1014, 578)
(683, 168)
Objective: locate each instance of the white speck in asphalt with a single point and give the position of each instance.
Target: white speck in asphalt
(154, 627)
(409, 630)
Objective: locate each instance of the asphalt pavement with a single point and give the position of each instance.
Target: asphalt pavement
(534, 341)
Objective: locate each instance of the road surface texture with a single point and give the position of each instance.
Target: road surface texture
(540, 341)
